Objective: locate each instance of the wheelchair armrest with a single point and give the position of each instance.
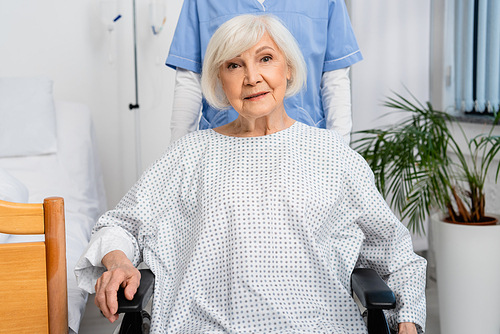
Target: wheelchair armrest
(371, 290)
(141, 297)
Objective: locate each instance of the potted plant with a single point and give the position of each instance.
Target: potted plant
(421, 166)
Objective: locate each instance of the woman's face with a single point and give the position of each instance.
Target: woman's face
(255, 82)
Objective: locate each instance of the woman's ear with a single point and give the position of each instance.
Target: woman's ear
(219, 80)
(288, 73)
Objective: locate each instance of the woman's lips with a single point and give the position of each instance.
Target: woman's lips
(256, 96)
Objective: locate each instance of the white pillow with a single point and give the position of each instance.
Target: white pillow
(27, 114)
(12, 190)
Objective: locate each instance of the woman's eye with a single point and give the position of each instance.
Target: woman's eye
(233, 66)
(266, 59)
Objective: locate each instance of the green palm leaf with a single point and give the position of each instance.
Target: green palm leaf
(412, 165)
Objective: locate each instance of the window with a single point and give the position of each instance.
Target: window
(465, 56)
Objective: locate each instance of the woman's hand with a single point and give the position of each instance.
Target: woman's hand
(120, 272)
(407, 328)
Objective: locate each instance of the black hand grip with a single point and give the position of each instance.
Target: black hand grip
(141, 297)
(372, 291)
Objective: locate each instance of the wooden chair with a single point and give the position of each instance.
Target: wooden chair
(33, 287)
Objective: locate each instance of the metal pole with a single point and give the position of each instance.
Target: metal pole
(138, 155)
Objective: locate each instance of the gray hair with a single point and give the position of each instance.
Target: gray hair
(240, 34)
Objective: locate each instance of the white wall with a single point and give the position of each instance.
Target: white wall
(66, 41)
(393, 36)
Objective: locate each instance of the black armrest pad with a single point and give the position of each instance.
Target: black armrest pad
(142, 295)
(371, 290)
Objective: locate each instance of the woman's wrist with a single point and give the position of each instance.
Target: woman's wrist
(115, 259)
(407, 328)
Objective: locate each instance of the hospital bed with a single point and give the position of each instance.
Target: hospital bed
(49, 149)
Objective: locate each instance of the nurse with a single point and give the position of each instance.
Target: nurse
(326, 39)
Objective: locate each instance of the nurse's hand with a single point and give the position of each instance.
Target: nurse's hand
(407, 328)
(120, 272)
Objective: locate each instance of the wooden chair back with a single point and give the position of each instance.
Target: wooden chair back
(33, 283)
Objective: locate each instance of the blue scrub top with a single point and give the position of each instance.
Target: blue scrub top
(321, 27)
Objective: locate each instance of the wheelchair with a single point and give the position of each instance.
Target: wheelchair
(367, 287)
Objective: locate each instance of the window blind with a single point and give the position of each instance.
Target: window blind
(477, 55)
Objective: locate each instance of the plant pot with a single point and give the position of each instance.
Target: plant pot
(487, 221)
(468, 277)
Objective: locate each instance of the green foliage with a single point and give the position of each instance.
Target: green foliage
(411, 162)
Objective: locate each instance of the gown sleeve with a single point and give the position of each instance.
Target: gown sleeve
(119, 229)
(132, 225)
(388, 249)
(89, 267)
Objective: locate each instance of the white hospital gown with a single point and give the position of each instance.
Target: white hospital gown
(260, 235)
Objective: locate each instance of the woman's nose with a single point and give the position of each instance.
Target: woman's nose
(252, 75)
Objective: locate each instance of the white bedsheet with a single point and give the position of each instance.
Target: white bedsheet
(74, 174)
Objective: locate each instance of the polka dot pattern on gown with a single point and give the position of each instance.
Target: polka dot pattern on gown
(261, 234)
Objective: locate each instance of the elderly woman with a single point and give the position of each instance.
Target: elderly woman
(255, 226)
